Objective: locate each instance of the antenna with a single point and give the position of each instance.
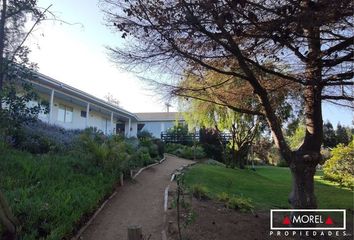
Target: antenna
(168, 106)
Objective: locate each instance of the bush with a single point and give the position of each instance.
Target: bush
(50, 193)
(215, 163)
(141, 158)
(185, 151)
(223, 197)
(340, 167)
(160, 146)
(144, 134)
(209, 139)
(39, 137)
(240, 203)
(200, 192)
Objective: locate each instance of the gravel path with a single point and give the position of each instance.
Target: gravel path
(138, 202)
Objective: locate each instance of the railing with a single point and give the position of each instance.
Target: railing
(180, 138)
(190, 138)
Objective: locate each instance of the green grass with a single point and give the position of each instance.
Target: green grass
(49, 194)
(267, 187)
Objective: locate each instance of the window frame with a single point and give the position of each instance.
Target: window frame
(66, 112)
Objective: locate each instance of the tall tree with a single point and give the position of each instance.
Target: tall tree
(242, 127)
(329, 135)
(309, 43)
(342, 135)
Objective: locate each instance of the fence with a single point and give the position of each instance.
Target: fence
(190, 138)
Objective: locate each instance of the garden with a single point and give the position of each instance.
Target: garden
(54, 179)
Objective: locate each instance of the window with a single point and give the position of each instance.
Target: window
(140, 126)
(65, 114)
(83, 114)
(120, 128)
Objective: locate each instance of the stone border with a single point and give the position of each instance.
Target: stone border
(82, 230)
(148, 166)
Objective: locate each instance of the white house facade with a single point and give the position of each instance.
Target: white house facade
(72, 108)
(158, 122)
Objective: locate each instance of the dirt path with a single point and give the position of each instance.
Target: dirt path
(138, 202)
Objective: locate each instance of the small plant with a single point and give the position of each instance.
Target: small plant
(200, 192)
(190, 217)
(223, 197)
(240, 203)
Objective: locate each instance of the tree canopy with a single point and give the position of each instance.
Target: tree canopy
(305, 43)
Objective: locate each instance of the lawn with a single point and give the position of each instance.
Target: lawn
(267, 187)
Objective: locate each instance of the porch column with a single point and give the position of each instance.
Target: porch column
(129, 127)
(87, 115)
(51, 120)
(112, 123)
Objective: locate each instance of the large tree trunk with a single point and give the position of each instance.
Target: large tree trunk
(303, 169)
(305, 159)
(241, 155)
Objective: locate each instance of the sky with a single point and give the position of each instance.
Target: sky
(76, 54)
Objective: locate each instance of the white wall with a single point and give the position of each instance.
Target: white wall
(100, 121)
(157, 127)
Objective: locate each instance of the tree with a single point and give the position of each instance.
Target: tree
(15, 93)
(243, 128)
(295, 140)
(340, 167)
(342, 135)
(111, 99)
(262, 148)
(305, 43)
(329, 135)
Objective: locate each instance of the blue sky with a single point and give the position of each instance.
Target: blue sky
(76, 55)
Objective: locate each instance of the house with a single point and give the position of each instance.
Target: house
(158, 122)
(72, 108)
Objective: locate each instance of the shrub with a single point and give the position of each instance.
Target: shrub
(153, 148)
(141, 158)
(209, 139)
(340, 167)
(240, 203)
(144, 134)
(282, 163)
(200, 192)
(160, 146)
(213, 162)
(223, 197)
(39, 137)
(185, 151)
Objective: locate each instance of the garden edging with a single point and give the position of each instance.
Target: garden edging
(82, 230)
